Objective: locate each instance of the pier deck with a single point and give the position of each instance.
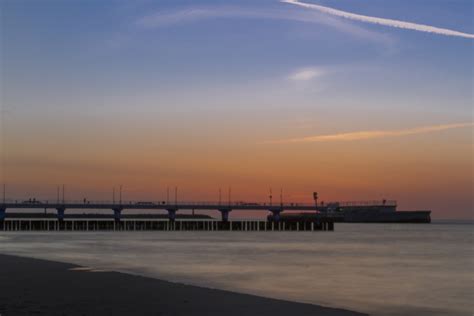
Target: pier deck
(323, 210)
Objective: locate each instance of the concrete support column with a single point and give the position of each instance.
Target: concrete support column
(60, 213)
(117, 214)
(172, 214)
(276, 214)
(225, 214)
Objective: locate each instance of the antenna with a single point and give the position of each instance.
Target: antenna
(175, 195)
(63, 192)
(281, 196)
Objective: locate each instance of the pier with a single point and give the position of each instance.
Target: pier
(172, 208)
(321, 216)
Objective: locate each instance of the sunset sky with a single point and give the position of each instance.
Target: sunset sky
(305, 96)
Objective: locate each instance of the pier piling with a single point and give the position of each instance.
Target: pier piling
(90, 225)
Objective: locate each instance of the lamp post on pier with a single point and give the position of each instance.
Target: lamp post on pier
(270, 196)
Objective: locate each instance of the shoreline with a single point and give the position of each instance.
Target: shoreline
(42, 287)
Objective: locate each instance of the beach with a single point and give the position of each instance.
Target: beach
(41, 287)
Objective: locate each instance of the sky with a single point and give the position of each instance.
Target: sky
(357, 100)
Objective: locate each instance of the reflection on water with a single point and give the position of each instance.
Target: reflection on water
(383, 269)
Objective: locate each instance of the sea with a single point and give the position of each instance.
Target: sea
(380, 269)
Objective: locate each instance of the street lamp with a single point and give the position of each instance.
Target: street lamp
(270, 196)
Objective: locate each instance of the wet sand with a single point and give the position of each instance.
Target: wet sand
(39, 287)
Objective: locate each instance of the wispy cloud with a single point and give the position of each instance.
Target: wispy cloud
(197, 13)
(306, 74)
(380, 21)
(163, 18)
(364, 135)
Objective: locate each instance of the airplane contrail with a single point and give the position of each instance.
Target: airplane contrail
(380, 21)
(362, 135)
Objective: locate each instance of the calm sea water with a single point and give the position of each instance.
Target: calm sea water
(381, 269)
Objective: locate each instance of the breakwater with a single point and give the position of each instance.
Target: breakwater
(32, 224)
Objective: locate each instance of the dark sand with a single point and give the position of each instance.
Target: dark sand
(39, 287)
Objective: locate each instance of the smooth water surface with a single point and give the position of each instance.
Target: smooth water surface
(382, 269)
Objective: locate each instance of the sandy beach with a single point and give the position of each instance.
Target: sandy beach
(31, 286)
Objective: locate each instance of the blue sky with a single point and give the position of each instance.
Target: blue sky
(181, 74)
(85, 47)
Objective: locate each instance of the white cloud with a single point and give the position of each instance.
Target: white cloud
(192, 14)
(364, 135)
(306, 74)
(380, 21)
(189, 14)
